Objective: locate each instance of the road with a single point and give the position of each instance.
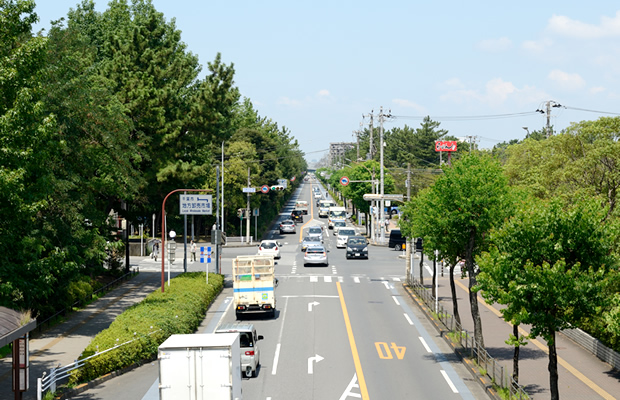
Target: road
(345, 331)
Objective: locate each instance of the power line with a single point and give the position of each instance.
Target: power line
(468, 117)
(593, 111)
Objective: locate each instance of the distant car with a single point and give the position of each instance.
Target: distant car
(396, 241)
(310, 241)
(287, 226)
(357, 247)
(343, 235)
(317, 195)
(269, 248)
(338, 225)
(297, 216)
(316, 255)
(315, 231)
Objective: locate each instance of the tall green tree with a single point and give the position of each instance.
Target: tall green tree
(456, 214)
(551, 265)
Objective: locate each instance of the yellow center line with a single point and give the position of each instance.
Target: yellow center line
(545, 348)
(301, 231)
(356, 358)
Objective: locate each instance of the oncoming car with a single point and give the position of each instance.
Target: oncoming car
(357, 247)
(338, 225)
(269, 248)
(343, 235)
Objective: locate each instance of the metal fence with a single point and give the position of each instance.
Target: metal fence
(469, 347)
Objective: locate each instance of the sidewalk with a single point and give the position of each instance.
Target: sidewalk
(62, 344)
(581, 374)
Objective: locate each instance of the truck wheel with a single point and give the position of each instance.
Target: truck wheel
(398, 247)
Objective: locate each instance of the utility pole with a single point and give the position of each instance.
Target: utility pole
(218, 244)
(371, 134)
(547, 111)
(222, 226)
(247, 211)
(382, 211)
(408, 245)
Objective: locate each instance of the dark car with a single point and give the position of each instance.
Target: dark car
(297, 216)
(357, 247)
(397, 241)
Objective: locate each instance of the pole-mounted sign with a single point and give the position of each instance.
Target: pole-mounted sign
(344, 181)
(264, 189)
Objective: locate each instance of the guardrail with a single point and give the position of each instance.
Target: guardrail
(469, 347)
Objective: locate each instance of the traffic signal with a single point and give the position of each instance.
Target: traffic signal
(277, 188)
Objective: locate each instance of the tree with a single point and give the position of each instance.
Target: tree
(551, 265)
(457, 212)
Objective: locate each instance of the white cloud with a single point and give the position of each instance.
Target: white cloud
(567, 81)
(496, 91)
(495, 45)
(286, 101)
(537, 46)
(565, 26)
(453, 83)
(410, 104)
(597, 90)
(323, 93)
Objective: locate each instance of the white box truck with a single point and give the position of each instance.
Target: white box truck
(254, 285)
(200, 367)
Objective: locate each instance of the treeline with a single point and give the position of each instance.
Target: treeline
(104, 115)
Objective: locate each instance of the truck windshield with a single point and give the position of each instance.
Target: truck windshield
(338, 214)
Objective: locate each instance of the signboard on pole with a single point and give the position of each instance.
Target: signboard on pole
(196, 204)
(344, 181)
(283, 183)
(264, 189)
(445, 145)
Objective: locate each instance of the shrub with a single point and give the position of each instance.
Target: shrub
(140, 330)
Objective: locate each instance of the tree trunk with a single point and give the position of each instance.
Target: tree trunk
(553, 367)
(473, 296)
(421, 268)
(455, 303)
(515, 357)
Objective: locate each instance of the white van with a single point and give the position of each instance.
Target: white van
(248, 343)
(343, 235)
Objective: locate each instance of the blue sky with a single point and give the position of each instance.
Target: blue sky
(318, 67)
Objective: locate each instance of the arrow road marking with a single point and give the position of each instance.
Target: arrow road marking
(314, 303)
(316, 358)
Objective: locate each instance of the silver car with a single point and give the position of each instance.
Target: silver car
(316, 255)
(287, 226)
(315, 231)
(310, 241)
(248, 342)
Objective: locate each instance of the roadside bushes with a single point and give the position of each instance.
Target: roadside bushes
(135, 335)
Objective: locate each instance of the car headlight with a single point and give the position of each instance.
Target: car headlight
(349, 249)
(365, 249)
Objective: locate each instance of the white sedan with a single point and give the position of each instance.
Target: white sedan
(269, 248)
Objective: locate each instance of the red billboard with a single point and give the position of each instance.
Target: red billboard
(445, 145)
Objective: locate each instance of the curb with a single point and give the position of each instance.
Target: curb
(484, 380)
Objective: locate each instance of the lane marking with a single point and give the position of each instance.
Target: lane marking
(600, 391)
(356, 358)
(408, 319)
(327, 279)
(386, 284)
(447, 378)
(356, 279)
(347, 391)
(395, 279)
(395, 300)
(428, 349)
(314, 278)
(276, 356)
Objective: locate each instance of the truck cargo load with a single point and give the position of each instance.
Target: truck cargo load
(254, 285)
(200, 367)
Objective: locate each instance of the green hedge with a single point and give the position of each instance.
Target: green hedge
(179, 310)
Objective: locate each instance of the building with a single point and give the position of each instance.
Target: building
(337, 150)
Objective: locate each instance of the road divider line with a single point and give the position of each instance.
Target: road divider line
(428, 349)
(408, 319)
(395, 300)
(356, 358)
(447, 378)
